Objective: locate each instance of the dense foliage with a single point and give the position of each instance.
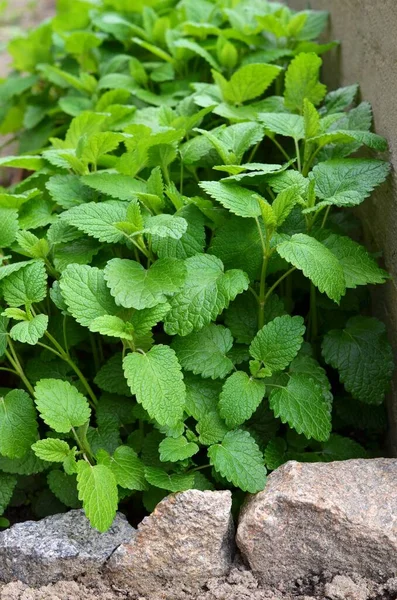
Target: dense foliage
(183, 304)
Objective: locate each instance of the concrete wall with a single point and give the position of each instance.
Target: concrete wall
(367, 30)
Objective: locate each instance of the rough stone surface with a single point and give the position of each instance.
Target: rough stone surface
(340, 517)
(58, 547)
(368, 55)
(188, 538)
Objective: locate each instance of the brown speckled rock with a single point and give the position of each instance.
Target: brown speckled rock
(340, 517)
(188, 538)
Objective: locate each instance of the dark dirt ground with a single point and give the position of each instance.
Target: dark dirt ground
(240, 584)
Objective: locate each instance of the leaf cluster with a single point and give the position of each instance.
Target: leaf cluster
(183, 304)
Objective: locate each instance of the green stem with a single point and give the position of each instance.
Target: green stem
(199, 468)
(254, 151)
(298, 154)
(325, 217)
(283, 152)
(262, 293)
(14, 361)
(273, 287)
(9, 370)
(66, 357)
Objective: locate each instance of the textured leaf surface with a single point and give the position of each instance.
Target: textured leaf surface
(60, 405)
(240, 397)
(135, 287)
(204, 352)
(363, 357)
(348, 181)
(98, 219)
(301, 81)
(18, 425)
(192, 241)
(29, 332)
(240, 461)
(128, 469)
(249, 82)
(238, 200)
(318, 263)
(302, 405)
(166, 481)
(174, 449)
(359, 268)
(26, 285)
(278, 342)
(98, 491)
(64, 487)
(9, 226)
(284, 124)
(206, 293)
(86, 294)
(51, 450)
(201, 395)
(156, 380)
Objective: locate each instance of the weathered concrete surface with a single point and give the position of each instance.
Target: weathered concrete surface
(368, 55)
(60, 547)
(338, 517)
(188, 539)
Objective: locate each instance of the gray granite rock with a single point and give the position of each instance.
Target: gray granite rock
(337, 517)
(189, 538)
(58, 547)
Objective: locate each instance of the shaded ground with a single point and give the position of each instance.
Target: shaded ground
(240, 584)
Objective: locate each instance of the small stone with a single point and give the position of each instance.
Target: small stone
(189, 538)
(339, 516)
(344, 588)
(59, 547)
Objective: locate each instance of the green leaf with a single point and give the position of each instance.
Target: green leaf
(347, 182)
(301, 81)
(341, 448)
(135, 287)
(302, 405)
(64, 487)
(247, 83)
(3, 335)
(128, 469)
(112, 326)
(206, 292)
(68, 191)
(86, 294)
(51, 450)
(98, 220)
(170, 482)
(278, 342)
(120, 187)
(29, 332)
(27, 465)
(201, 395)
(336, 101)
(60, 405)
(275, 453)
(174, 449)
(358, 266)
(9, 226)
(7, 486)
(18, 425)
(166, 226)
(156, 380)
(110, 377)
(26, 285)
(284, 124)
(235, 198)
(363, 357)
(205, 352)
(284, 203)
(240, 461)
(98, 491)
(192, 241)
(211, 428)
(240, 397)
(311, 119)
(316, 262)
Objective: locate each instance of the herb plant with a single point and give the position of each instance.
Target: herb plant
(184, 303)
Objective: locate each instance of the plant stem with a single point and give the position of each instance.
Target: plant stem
(283, 152)
(273, 287)
(325, 217)
(14, 361)
(298, 154)
(66, 357)
(254, 151)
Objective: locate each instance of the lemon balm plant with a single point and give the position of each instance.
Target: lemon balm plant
(182, 303)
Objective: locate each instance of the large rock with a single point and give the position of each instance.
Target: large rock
(338, 517)
(58, 547)
(189, 538)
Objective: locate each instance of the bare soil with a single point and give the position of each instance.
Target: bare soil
(240, 584)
